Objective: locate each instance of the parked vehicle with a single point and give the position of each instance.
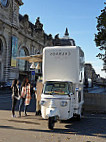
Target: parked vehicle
(5, 85)
(63, 71)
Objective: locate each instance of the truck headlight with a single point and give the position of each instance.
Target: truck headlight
(42, 102)
(63, 103)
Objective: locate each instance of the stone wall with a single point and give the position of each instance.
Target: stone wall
(94, 102)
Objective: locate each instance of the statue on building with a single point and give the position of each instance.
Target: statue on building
(19, 2)
(38, 25)
(57, 36)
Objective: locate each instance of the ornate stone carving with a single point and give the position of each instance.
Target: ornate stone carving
(24, 24)
(38, 25)
(2, 26)
(19, 2)
(57, 36)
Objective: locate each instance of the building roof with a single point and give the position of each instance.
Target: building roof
(64, 41)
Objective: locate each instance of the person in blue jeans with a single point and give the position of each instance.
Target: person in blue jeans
(22, 100)
(25, 96)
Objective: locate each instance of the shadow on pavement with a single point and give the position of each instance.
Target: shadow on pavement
(26, 122)
(90, 125)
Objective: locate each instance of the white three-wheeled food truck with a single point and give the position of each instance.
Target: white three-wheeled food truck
(63, 72)
(62, 95)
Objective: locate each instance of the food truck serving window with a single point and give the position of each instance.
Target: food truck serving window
(58, 88)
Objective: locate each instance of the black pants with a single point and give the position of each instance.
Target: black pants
(14, 101)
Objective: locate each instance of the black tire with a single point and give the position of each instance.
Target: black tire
(78, 117)
(51, 123)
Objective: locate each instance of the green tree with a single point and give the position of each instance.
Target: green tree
(100, 37)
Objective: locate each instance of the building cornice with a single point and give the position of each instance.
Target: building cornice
(19, 2)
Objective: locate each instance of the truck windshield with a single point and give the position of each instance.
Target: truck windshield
(59, 88)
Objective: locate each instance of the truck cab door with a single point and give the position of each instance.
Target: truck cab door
(71, 105)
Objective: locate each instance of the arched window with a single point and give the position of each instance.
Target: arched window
(22, 63)
(1, 46)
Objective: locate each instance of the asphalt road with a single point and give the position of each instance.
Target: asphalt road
(31, 128)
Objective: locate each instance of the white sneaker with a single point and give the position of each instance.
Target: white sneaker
(14, 116)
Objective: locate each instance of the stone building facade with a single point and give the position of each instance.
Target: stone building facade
(89, 73)
(18, 37)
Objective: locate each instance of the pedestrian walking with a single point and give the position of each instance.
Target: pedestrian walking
(25, 96)
(15, 95)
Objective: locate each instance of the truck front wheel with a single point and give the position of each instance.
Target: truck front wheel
(51, 122)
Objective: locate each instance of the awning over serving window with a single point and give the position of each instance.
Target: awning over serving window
(32, 58)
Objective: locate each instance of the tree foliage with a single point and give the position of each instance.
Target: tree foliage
(100, 37)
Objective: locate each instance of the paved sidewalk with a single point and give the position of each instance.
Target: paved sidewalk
(92, 128)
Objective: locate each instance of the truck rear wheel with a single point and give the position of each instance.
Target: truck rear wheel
(77, 117)
(51, 122)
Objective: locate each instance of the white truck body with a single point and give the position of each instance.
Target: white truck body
(62, 65)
